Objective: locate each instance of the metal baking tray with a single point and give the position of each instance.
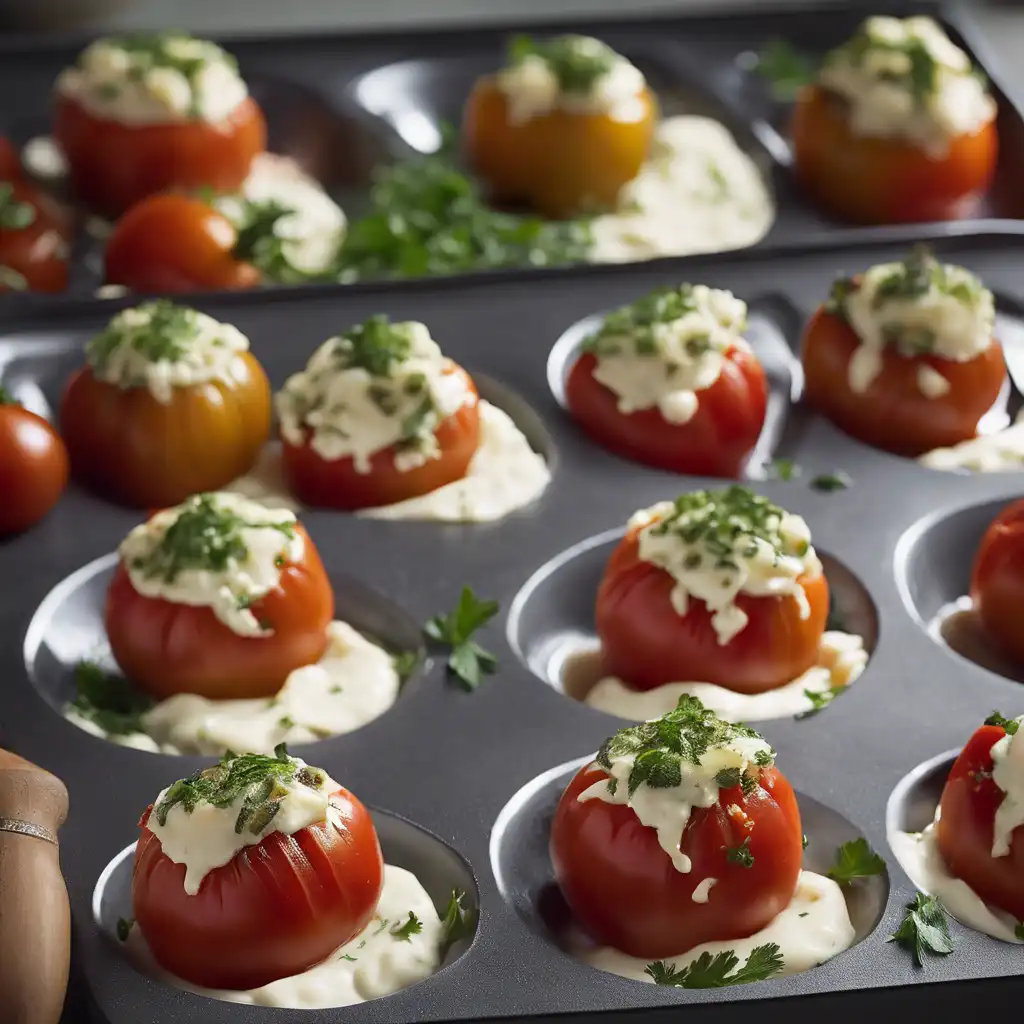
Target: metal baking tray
(475, 770)
(343, 105)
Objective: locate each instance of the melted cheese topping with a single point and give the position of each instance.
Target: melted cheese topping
(664, 365)
(812, 929)
(160, 347)
(155, 80)
(904, 78)
(1008, 775)
(697, 192)
(841, 660)
(243, 580)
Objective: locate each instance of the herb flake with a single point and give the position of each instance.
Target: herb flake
(459, 921)
(855, 859)
(468, 661)
(404, 932)
(924, 929)
(719, 971)
(108, 700)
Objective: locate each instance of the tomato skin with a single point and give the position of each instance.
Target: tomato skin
(625, 891)
(559, 163)
(715, 442)
(172, 243)
(273, 911)
(139, 452)
(966, 827)
(337, 484)
(39, 251)
(10, 162)
(33, 468)
(893, 414)
(166, 648)
(997, 580)
(647, 644)
(885, 181)
(114, 165)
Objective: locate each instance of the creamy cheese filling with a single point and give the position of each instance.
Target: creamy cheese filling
(218, 551)
(719, 544)
(575, 74)
(157, 79)
(904, 78)
(378, 385)
(161, 346)
(661, 350)
(919, 307)
(1008, 775)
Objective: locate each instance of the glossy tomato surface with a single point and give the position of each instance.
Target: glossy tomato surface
(646, 643)
(173, 243)
(893, 413)
(37, 251)
(114, 165)
(33, 467)
(336, 483)
(273, 911)
(138, 451)
(166, 648)
(715, 442)
(560, 163)
(885, 181)
(626, 892)
(997, 581)
(966, 827)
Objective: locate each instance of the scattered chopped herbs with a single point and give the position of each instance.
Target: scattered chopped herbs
(1018, 931)
(1009, 725)
(168, 331)
(335, 690)
(855, 859)
(924, 929)
(786, 69)
(124, 928)
(828, 483)
(384, 922)
(784, 469)
(405, 932)
(820, 699)
(912, 279)
(458, 922)
(376, 346)
(577, 62)
(349, 957)
(406, 663)
(468, 661)
(719, 971)
(15, 215)
(803, 841)
(12, 280)
(635, 323)
(109, 701)
(286, 722)
(740, 855)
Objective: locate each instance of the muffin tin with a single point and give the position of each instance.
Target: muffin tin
(342, 105)
(464, 784)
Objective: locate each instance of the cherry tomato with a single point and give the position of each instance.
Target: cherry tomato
(646, 643)
(893, 413)
(626, 892)
(166, 648)
(172, 243)
(138, 451)
(273, 911)
(997, 580)
(885, 181)
(966, 827)
(336, 483)
(114, 165)
(38, 252)
(33, 467)
(559, 163)
(715, 442)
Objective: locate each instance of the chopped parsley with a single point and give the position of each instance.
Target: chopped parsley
(12, 279)
(803, 841)
(468, 661)
(406, 663)
(15, 215)
(1018, 931)
(786, 69)
(740, 855)
(458, 923)
(721, 970)
(412, 926)
(577, 62)
(109, 701)
(124, 928)
(784, 469)
(165, 336)
(820, 699)
(376, 346)
(855, 859)
(828, 483)
(924, 929)
(1009, 725)
(636, 322)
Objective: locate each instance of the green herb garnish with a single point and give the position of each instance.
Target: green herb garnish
(406, 663)
(636, 322)
(1009, 725)
(169, 331)
(468, 661)
(740, 855)
(458, 922)
(1018, 931)
(124, 928)
(109, 701)
(376, 346)
(577, 62)
(412, 926)
(787, 70)
(855, 859)
(719, 971)
(924, 929)
(803, 841)
(15, 215)
(820, 699)
(784, 469)
(12, 280)
(831, 482)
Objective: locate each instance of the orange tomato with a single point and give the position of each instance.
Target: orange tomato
(997, 580)
(39, 250)
(274, 910)
(560, 163)
(885, 181)
(114, 165)
(138, 451)
(172, 243)
(647, 643)
(336, 483)
(715, 442)
(893, 413)
(166, 648)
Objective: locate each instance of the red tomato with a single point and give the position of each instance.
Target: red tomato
(275, 910)
(166, 648)
(646, 643)
(997, 580)
(114, 165)
(336, 483)
(172, 243)
(33, 467)
(141, 452)
(885, 181)
(965, 830)
(10, 162)
(716, 442)
(38, 251)
(626, 892)
(893, 413)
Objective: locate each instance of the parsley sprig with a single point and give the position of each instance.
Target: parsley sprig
(820, 699)
(404, 932)
(468, 661)
(1009, 725)
(376, 346)
(166, 336)
(924, 929)
(15, 215)
(577, 62)
(109, 701)
(458, 922)
(855, 859)
(721, 970)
